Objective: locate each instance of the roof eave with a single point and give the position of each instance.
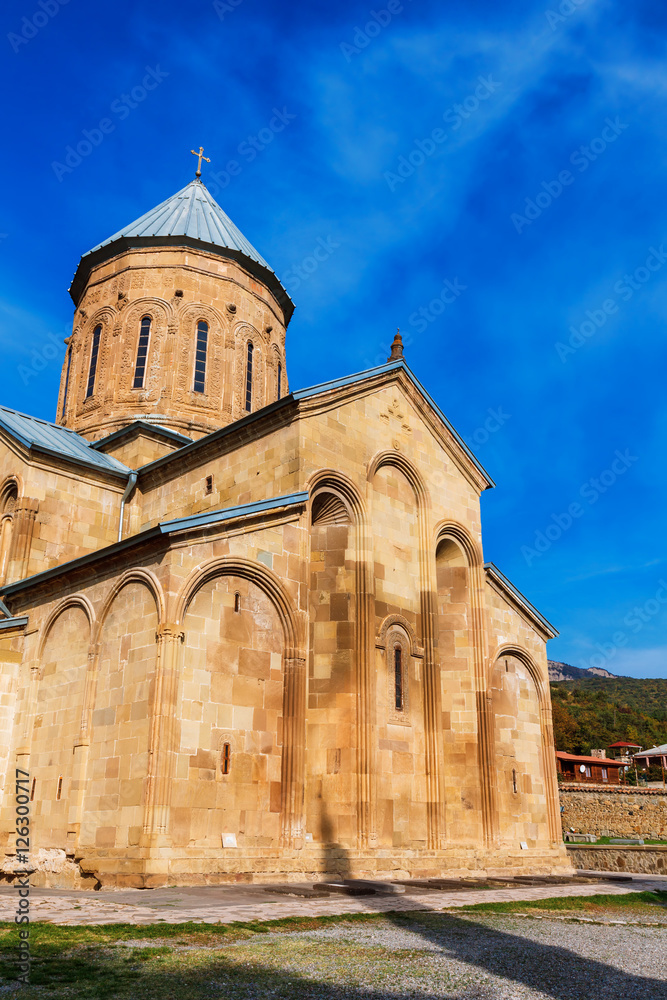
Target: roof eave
(33, 447)
(116, 247)
(529, 610)
(138, 427)
(161, 530)
(402, 365)
(321, 389)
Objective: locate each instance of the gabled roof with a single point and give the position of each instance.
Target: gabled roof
(42, 436)
(314, 390)
(338, 383)
(522, 603)
(622, 743)
(190, 217)
(136, 428)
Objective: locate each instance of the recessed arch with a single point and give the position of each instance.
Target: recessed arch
(191, 312)
(154, 306)
(399, 461)
(73, 601)
(521, 654)
(547, 762)
(457, 533)
(10, 491)
(263, 578)
(393, 621)
(135, 575)
(328, 480)
(244, 335)
(106, 315)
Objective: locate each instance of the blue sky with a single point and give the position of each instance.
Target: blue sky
(516, 151)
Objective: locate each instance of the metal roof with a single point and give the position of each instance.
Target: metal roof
(191, 212)
(214, 516)
(653, 751)
(137, 427)
(13, 622)
(191, 217)
(52, 439)
(163, 528)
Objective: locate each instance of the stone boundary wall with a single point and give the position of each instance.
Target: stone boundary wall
(647, 860)
(614, 812)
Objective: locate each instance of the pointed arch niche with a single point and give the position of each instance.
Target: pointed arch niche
(453, 629)
(122, 687)
(525, 796)
(63, 665)
(8, 499)
(243, 684)
(461, 643)
(330, 791)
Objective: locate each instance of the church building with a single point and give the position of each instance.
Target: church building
(247, 632)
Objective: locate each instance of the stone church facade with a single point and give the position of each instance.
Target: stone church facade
(247, 632)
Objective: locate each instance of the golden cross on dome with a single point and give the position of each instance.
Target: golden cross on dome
(201, 156)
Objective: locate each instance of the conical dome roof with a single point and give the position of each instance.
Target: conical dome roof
(191, 217)
(192, 212)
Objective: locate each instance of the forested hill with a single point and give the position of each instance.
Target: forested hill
(593, 712)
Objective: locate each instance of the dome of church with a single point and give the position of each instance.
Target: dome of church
(191, 217)
(191, 212)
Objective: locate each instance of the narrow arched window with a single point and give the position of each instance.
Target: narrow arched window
(200, 356)
(237, 603)
(280, 377)
(398, 678)
(59, 789)
(94, 351)
(514, 787)
(226, 761)
(248, 377)
(66, 389)
(142, 353)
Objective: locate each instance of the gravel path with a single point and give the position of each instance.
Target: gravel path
(462, 957)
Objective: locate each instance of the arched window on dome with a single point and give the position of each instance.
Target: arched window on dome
(279, 380)
(142, 353)
(94, 351)
(200, 356)
(248, 377)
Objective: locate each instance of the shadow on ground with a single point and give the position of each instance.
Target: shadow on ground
(551, 971)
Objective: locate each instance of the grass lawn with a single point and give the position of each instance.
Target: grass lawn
(630, 905)
(607, 840)
(278, 958)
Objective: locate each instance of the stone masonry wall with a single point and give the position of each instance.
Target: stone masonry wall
(615, 812)
(599, 858)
